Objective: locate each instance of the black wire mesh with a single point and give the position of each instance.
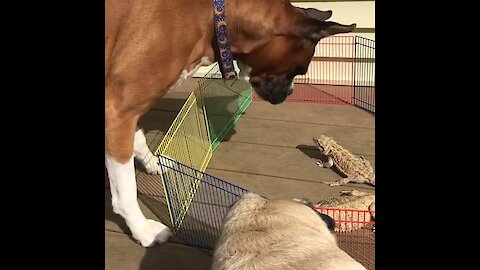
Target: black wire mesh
(197, 202)
(225, 102)
(364, 74)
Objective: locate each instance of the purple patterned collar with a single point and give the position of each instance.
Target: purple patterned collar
(226, 59)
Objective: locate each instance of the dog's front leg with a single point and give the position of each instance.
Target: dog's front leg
(144, 155)
(124, 201)
(123, 186)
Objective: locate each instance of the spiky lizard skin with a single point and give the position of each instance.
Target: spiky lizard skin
(356, 168)
(350, 200)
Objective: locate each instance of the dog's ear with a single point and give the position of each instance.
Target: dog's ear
(317, 14)
(312, 26)
(328, 220)
(313, 32)
(325, 29)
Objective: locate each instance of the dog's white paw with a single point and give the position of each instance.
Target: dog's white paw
(150, 232)
(152, 166)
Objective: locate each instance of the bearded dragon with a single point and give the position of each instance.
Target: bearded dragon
(351, 210)
(355, 168)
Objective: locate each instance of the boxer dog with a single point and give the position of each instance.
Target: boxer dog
(261, 234)
(151, 46)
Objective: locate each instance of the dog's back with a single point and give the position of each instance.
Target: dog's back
(265, 234)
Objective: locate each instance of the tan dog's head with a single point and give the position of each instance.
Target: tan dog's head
(281, 54)
(326, 218)
(277, 235)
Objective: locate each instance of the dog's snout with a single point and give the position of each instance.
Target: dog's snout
(273, 90)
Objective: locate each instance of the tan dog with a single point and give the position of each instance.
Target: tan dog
(153, 45)
(260, 234)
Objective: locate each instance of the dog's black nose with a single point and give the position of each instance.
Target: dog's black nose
(290, 91)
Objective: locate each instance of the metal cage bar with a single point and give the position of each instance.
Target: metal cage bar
(364, 72)
(225, 101)
(197, 202)
(355, 233)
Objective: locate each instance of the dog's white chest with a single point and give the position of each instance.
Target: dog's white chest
(187, 74)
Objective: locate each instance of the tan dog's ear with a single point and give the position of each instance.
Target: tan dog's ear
(328, 220)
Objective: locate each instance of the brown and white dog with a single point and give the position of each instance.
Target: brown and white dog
(261, 234)
(152, 45)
